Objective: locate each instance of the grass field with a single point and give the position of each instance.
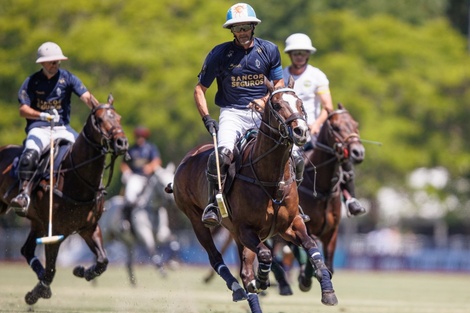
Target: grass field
(183, 291)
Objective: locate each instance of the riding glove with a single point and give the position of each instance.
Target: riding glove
(211, 125)
(53, 116)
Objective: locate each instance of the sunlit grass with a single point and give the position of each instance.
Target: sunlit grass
(183, 291)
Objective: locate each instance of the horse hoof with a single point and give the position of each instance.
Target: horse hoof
(260, 286)
(46, 293)
(329, 298)
(305, 284)
(30, 298)
(239, 295)
(285, 290)
(79, 271)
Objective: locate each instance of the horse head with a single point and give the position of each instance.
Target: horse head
(107, 132)
(344, 135)
(288, 110)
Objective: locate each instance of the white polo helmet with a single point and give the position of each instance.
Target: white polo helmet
(241, 13)
(50, 51)
(299, 41)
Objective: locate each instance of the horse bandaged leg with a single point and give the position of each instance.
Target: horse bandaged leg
(41, 290)
(262, 281)
(238, 294)
(324, 277)
(253, 301)
(37, 267)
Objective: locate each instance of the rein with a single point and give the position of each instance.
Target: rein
(285, 139)
(339, 151)
(103, 148)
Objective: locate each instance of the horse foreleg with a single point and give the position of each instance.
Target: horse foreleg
(247, 258)
(253, 245)
(279, 272)
(281, 278)
(42, 288)
(94, 240)
(329, 247)
(321, 272)
(28, 252)
(204, 237)
(225, 246)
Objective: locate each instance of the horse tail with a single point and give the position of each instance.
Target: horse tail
(169, 188)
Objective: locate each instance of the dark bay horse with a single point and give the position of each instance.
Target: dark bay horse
(262, 200)
(320, 194)
(78, 196)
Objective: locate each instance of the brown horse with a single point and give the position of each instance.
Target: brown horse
(262, 201)
(78, 196)
(338, 142)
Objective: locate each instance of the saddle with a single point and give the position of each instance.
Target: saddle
(42, 171)
(238, 152)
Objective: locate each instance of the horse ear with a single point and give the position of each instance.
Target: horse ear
(291, 82)
(340, 106)
(110, 99)
(269, 84)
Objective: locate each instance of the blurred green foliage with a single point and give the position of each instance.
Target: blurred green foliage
(399, 66)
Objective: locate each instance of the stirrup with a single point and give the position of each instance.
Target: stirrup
(355, 208)
(211, 216)
(20, 204)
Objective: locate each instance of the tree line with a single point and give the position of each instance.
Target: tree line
(400, 67)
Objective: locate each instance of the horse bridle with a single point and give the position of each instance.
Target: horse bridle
(340, 148)
(103, 147)
(106, 138)
(286, 138)
(284, 130)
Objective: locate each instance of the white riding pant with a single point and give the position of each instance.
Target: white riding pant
(134, 186)
(39, 138)
(233, 123)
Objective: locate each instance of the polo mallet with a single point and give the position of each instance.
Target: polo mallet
(219, 197)
(50, 238)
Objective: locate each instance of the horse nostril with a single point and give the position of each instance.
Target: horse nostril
(122, 144)
(357, 154)
(300, 132)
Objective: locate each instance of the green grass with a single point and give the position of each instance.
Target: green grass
(183, 291)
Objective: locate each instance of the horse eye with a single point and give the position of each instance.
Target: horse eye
(276, 106)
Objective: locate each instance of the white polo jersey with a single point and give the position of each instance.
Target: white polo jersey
(307, 85)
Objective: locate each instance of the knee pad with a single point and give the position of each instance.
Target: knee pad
(28, 164)
(225, 159)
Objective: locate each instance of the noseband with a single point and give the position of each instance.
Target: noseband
(106, 138)
(340, 148)
(284, 130)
